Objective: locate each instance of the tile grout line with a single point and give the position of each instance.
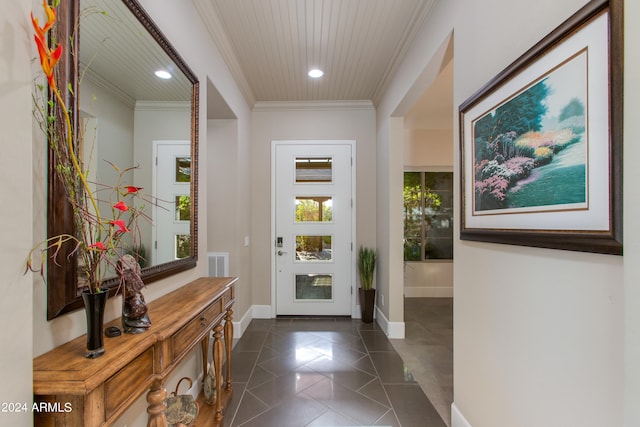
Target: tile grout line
(246, 387)
(381, 383)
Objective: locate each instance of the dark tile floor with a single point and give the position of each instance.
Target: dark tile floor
(427, 349)
(323, 372)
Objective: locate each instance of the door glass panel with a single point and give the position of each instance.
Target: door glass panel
(314, 209)
(183, 246)
(314, 169)
(183, 208)
(313, 248)
(183, 169)
(314, 286)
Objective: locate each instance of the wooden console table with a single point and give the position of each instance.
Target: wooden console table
(95, 392)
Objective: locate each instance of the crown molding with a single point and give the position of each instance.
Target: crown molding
(100, 82)
(263, 106)
(163, 106)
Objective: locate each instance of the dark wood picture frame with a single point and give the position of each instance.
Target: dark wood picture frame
(605, 240)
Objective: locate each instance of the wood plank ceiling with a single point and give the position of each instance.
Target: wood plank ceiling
(269, 45)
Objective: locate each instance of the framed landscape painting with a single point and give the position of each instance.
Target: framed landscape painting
(540, 144)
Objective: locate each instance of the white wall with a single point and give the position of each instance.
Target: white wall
(631, 212)
(114, 127)
(16, 226)
(227, 192)
(428, 148)
(428, 279)
(538, 334)
(323, 122)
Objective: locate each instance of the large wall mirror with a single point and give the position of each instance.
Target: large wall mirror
(129, 117)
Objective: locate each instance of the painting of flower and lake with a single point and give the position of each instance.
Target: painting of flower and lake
(530, 152)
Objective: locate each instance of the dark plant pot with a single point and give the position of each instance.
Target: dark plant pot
(367, 303)
(94, 305)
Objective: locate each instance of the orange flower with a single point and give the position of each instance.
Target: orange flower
(48, 58)
(51, 19)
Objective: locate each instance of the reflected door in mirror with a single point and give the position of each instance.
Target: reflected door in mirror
(172, 235)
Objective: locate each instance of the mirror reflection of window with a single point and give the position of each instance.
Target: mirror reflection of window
(183, 169)
(183, 246)
(183, 208)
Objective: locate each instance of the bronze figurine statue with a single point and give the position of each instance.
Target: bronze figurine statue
(135, 317)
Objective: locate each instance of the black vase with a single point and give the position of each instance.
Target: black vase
(367, 303)
(94, 304)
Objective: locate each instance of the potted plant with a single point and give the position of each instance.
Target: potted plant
(366, 267)
(105, 216)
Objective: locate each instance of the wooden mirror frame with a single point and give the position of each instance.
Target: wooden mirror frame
(62, 279)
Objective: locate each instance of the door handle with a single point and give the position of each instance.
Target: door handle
(280, 253)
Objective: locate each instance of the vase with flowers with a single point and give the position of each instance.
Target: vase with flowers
(105, 216)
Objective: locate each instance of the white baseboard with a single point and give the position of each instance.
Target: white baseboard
(391, 329)
(428, 292)
(197, 386)
(254, 312)
(262, 311)
(457, 419)
(240, 326)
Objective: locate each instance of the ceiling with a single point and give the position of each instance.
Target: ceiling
(269, 45)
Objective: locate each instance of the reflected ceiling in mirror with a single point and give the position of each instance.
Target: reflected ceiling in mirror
(131, 118)
(117, 52)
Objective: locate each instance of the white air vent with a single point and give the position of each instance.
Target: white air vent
(218, 264)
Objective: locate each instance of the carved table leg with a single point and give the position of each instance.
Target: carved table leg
(228, 342)
(205, 357)
(156, 397)
(217, 361)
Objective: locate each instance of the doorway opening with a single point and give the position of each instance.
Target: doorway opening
(428, 240)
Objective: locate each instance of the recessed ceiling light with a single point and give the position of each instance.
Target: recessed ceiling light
(163, 74)
(315, 73)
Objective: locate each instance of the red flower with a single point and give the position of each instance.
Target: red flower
(121, 206)
(122, 227)
(131, 189)
(98, 245)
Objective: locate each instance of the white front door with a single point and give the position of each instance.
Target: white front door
(172, 187)
(313, 216)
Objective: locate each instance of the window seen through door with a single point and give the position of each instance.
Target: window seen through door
(314, 169)
(314, 209)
